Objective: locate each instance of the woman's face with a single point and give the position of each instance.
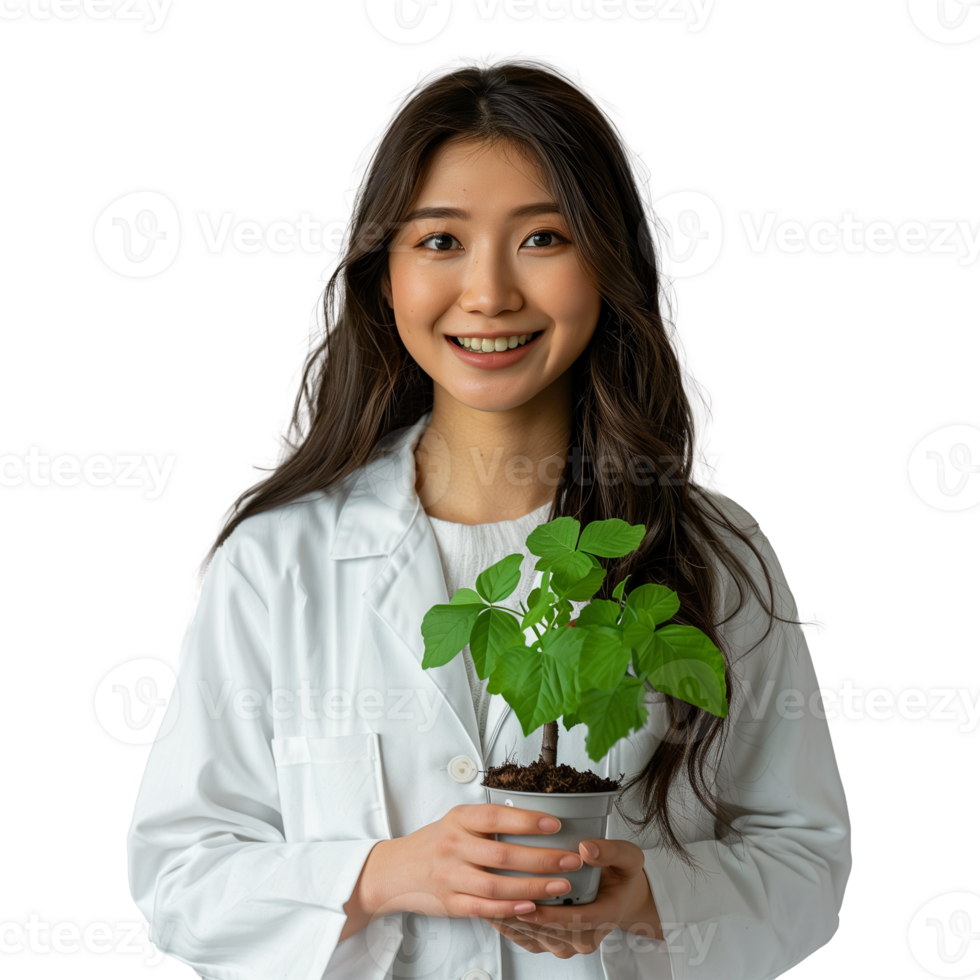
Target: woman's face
(489, 292)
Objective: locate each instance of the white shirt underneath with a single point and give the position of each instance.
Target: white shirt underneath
(468, 549)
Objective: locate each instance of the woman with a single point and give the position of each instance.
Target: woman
(494, 356)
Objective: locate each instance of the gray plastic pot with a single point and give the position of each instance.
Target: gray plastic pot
(583, 816)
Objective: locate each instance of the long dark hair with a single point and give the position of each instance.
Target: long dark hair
(359, 382)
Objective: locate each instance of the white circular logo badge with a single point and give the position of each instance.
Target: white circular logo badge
(947, 21)
(408, 21)
(138, 235)
(132, 699)
(944, 469)
(692, 225)
(944, 935)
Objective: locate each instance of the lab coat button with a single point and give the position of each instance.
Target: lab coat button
(463, 769)
(477, 974)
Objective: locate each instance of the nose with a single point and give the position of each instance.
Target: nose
(490, 286)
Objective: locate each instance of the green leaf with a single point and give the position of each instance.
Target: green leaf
(539, 602)
(604, 659)
(611, 539)
(465, 597)
(564, 645)
(618, 591)
(584, 588)
(540, 686)
(554, 539)
(570, 720)
(681, 661)
(569, 567)
(612, 715)
(507, 662)
(653, 604)
(636, 633)
(495, 630)
(446, 630)
(500, 580)
(599, 612)
(564, 608)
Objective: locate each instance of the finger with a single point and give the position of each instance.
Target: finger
(549, 942)
(619, 854)
(517, 857)
(518, 937)
(554, 945)
(576, 919)
(555, 937)
(484, 884)
(494, 818)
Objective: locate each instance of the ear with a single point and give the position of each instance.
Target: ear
(386, 288)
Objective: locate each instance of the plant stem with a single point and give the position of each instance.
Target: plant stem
(549, 744)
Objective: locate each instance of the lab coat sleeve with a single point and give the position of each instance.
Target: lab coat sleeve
(209, 865)
(757, 908)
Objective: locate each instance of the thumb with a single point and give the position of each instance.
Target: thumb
(611, 853)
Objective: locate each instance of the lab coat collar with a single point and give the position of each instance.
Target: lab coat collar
(382, 503)
(383, 516)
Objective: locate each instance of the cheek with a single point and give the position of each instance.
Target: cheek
(420, 295)
(568, 298)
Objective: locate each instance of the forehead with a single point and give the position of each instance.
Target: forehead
(479, 176)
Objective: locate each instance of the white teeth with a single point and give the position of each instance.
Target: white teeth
(486, 345)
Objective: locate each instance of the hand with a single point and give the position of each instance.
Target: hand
(624, 901)
(439, 869)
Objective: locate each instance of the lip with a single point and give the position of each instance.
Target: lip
(494, 359)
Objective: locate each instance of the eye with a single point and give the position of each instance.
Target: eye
(544, 239)
(439, 243)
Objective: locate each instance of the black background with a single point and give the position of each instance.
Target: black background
(830, 368)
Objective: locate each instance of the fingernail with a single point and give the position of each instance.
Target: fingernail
(591, 849)
(524, 908)
(549, 824)
(570, 863)
(557, 887)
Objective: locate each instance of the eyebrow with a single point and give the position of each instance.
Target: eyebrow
(527, 211)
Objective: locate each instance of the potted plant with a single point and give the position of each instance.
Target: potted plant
(593, 671)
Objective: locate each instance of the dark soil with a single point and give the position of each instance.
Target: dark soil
(541, 777)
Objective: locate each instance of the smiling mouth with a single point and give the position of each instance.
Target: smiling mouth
(486, 345)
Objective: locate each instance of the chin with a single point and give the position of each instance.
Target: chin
(491, 401)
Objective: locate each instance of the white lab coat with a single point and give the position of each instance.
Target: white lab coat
(306, 731)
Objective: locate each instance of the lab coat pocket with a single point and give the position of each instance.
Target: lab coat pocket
(331, 788)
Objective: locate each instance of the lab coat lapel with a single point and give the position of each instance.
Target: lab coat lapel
(496, 716)
(383, 516)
